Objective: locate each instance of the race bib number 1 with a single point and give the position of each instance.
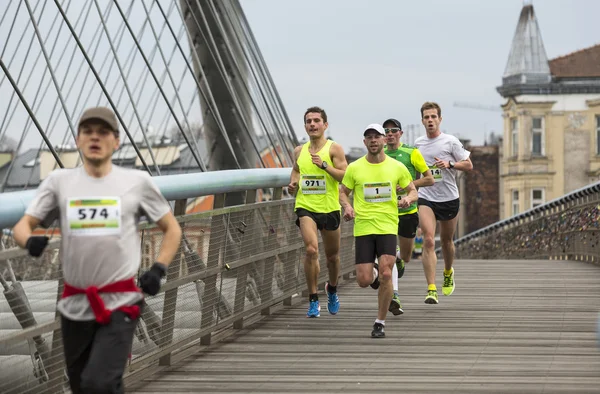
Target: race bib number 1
(94, 216)
(436, 172)
(377, 192)
(313, 184)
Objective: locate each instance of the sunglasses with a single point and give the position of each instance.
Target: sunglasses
(392, 130)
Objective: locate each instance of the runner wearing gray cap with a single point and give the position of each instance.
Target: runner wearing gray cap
(98, 206)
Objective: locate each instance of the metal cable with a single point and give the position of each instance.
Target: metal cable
(30, 112)
(2, 19)
(211, 103)
(242, 17)
(220, 69)
(245, 85)
(142, 76)
(82, 62)
(70, 89)
(116, 59)
(10, 33)
(198, 159)
(49, 65)
(36, 102)
(84, 53)
(6, 118)
(274, 105)
(171, 77)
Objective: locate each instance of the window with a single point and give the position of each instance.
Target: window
(598, 134)
(515, 202)
(514, 127)
(537, 197)
(537, 135)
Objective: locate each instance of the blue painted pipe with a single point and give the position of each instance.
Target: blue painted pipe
(173, 187)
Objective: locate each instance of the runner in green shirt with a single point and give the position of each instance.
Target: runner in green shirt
(408, 218)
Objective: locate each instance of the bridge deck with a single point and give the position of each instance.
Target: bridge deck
(510, 327)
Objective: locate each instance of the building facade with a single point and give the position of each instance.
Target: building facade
(479, 189)
(551, 143)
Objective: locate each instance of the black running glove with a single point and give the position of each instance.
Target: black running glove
(36, 245)
(150, 280)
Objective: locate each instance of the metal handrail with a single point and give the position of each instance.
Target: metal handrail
(570, 197)
(173, 187)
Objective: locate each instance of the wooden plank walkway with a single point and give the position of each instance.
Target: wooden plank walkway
(510, 327)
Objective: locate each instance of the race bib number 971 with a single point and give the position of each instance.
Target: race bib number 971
(94, 216)
(313, 184)
(377, 192)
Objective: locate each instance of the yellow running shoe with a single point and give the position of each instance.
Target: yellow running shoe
(449, 284)
(432, 297)
(396, 305)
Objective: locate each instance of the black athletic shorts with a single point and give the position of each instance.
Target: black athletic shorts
(325, 221)
(407, 225)
(446, 210)
(366, 247)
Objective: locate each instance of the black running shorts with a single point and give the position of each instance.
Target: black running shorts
(366, 247)
(446, 210)
(325, 221)
(407, 225)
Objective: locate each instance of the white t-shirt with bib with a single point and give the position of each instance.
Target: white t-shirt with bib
(100, 242)
(445, 147)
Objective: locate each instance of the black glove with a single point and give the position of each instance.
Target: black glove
(150, 280)
(36, 245)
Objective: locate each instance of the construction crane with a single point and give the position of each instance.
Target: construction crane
(461, 104)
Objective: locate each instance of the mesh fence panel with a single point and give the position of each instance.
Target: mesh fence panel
(568, 231)
(232, 263)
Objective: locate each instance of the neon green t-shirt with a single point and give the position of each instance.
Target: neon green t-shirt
(375, 200)
(412, 158)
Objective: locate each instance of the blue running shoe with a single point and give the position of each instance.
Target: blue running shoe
(314, 309)
(333, 301)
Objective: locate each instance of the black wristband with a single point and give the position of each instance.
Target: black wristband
(160, 267)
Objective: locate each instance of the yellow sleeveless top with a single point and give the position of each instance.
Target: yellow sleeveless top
(318, 191)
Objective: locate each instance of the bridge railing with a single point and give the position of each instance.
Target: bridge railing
(235, 263)
(566, 228)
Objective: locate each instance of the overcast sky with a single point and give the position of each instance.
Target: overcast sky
(361, 60)
(364, 61)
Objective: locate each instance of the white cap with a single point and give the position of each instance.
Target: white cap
(375, 126)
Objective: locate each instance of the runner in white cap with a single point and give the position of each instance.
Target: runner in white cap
(98, 207)
(374, 179)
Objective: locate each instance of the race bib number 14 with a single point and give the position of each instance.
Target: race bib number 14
(436, 172)
(94, 216)
(377, 192)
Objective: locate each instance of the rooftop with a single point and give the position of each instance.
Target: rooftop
(583, 63)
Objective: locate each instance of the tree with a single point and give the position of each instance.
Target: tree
(8, 144)
(196, 133)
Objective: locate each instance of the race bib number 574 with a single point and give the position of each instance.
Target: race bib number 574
(94, 216)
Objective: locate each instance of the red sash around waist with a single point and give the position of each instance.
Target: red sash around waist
(93, 295)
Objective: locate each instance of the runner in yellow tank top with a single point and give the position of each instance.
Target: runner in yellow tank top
(374, 179)
(319, 166)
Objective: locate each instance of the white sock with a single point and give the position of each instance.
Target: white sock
(397, 252)
(382, 322)
(375, 273)
(395, 278)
